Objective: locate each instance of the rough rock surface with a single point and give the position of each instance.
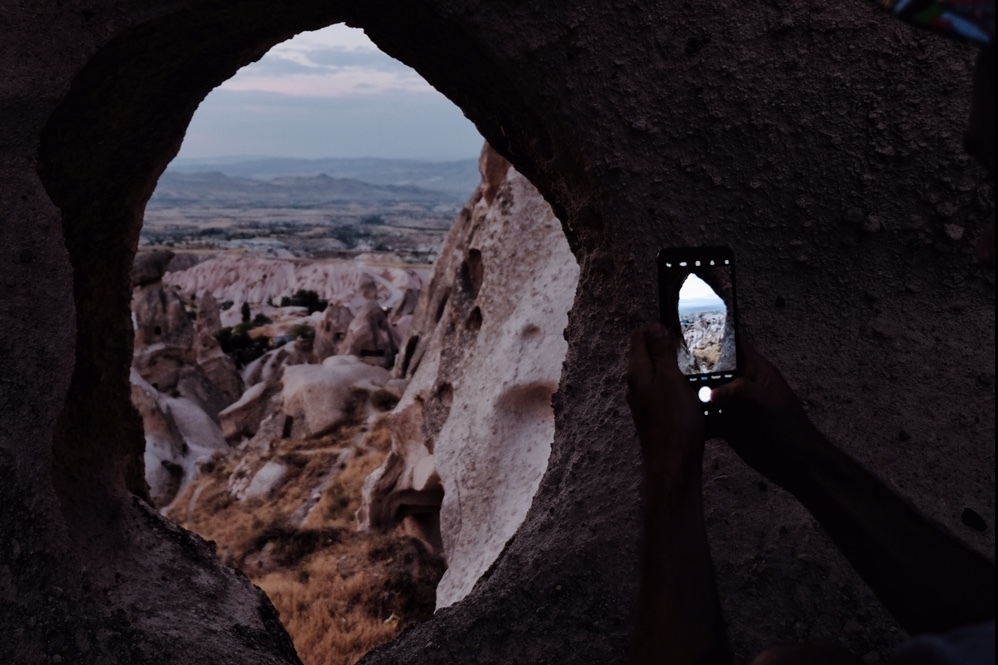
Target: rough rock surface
(331, 330)
(490, 345)
(370, 336)
(644, 125)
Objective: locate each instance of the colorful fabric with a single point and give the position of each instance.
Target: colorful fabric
(969, 20)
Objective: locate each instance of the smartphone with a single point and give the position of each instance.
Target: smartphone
(696, 287)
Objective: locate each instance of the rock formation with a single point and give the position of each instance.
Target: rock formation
(179, 433)
(180, 379)
(472, 434)
(258, 280)
(269, 367)
(318, 398)
(370, 336)
(215, 365)
(331, 330)
(804, 135)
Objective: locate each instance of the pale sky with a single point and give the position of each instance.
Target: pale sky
(695, 288)
(329, 93)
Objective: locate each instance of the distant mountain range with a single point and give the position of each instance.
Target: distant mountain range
(214, 189)
(455, 178)
(701, 305)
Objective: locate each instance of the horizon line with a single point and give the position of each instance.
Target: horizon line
(314, 159)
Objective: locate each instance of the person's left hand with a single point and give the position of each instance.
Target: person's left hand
(669, 421)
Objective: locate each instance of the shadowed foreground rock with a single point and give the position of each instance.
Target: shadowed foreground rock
(819, 141)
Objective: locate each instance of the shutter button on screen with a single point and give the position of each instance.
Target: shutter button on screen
(704, 394)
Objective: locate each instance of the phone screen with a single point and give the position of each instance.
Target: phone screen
(697, 289)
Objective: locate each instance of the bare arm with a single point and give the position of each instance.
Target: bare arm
(926, 577)
(679, 619)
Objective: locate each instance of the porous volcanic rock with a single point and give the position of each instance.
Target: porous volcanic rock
(179, 435)
(318, 398)
(476, 423)
(370, 337)
(218, 368)
(644, 125)
(331, 330)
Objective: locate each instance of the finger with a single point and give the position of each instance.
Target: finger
(639, 364)
(661, 349)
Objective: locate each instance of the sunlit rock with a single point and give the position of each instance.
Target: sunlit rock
(472, 433)
(318, 398)
(179, 435)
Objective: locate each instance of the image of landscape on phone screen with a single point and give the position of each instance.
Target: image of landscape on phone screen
(702, 317)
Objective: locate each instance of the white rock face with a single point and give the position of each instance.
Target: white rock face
(265, 480)
(179, 436)
(318, 397)
(484, 354)
(256, 280)
(242, 419)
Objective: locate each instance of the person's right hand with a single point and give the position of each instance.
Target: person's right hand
(763, 420)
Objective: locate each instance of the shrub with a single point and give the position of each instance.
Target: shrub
(238, 344)
(303, 331)
(305, 298)
(349, 234)
(384, 400)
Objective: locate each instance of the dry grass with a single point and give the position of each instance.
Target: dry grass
(340, 502)
(339, 592)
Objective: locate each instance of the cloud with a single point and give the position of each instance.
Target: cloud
(329, 93)
(334, 62)
(388, 124)
(331, 82)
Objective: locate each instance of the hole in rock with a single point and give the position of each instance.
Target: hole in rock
(702, 319)
(473, 271)
(407, 356)
(474, 322)
(277, 291)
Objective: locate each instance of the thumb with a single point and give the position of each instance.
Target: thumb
(739, 390)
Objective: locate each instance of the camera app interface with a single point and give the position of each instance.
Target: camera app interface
(708, 343)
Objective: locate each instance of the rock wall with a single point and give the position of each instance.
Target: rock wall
(483, 361)
(820, 141)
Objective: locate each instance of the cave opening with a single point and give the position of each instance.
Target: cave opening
(264, 543)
